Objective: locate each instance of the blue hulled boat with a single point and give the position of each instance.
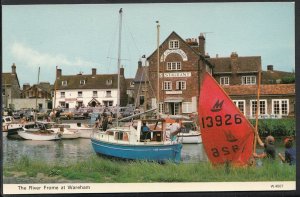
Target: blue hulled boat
(126, 143)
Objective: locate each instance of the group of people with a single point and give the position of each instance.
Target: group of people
(270, 150)
(171, 132)
(103, 121)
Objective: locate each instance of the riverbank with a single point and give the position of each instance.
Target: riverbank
(98, 169)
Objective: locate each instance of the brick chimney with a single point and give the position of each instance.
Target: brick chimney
(58, 73)
(234, 62)
(122, 71)
(270, 67)
(201, 44)
(140, 63)
(26, 86)
(94, 71)
(13, 69)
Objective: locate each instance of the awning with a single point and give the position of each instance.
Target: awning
(173, 100)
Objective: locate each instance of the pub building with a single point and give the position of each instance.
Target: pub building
(181, 64)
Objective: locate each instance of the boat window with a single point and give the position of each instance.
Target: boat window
(118, 135)
(110, 132)
(7, 119)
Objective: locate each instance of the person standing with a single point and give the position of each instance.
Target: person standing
(174, 130)
(290, 152)
(269, 148)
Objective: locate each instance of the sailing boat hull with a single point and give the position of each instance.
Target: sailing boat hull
(159, 153)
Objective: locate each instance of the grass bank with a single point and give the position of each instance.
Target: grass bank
(102, 170)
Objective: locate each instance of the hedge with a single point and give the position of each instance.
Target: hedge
(276, 127)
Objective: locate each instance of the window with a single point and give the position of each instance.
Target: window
(262, 107)
(62, 104)
(3, 91)
(108, 93)
(80, 94)
(180, 85)
(241, 105)
(280, 106)
(173, 65)
(95, 94)
(62, 95)
(186, 107)
(248, 80)
(142, 99)
(224, 80)
(161, 107)
(167, 85)
(79, 103)
(107, 103)
(132, 83)
(64, 83)
(173, 44)
(82, 82)
(108, 82)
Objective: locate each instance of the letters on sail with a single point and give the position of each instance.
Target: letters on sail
(226, 133)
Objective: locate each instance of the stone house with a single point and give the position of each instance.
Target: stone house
(10, 87)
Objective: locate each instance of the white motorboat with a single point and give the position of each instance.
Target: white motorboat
(65, 131)
(191, 133)
(9, 126)
(37, 134)
(83, 130)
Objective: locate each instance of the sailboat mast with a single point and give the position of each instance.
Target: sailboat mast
(36, 93)
(257, 111)
(55, 83)
(157, 102)
(119, 65)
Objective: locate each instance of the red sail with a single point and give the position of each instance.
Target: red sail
(226, 134)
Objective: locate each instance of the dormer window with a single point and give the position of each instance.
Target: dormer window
(64, 83)
(173, 44)
(108, 82)
(248, 80)
(82, 82)
(224, 80)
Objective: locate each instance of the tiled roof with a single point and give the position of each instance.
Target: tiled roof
(272, 76)
(244, 64)
(141, 74)
(91, 82)
(266, 89)
(8, 78)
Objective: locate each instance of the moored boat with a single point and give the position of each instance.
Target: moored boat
(127, 143)
(191, 134)
(41, 135)
(9, 126)
(83, 130)
(65, 131)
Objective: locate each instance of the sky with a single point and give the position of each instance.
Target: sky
(77, 38)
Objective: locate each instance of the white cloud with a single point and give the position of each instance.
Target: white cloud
(34, 58)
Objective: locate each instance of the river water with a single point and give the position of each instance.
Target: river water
(68, 151)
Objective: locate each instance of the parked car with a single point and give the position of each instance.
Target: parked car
(66, 114)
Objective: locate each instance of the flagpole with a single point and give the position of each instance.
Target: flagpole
(257, 110)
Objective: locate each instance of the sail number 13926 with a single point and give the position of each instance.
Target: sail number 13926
(219, 121)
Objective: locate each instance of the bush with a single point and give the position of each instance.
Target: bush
(276, 127)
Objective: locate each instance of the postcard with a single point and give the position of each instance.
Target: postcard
(148, 97)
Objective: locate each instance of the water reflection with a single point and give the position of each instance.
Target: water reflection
(66, 151)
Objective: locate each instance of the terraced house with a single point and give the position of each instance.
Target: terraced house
(181, 64)
(89, 90)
